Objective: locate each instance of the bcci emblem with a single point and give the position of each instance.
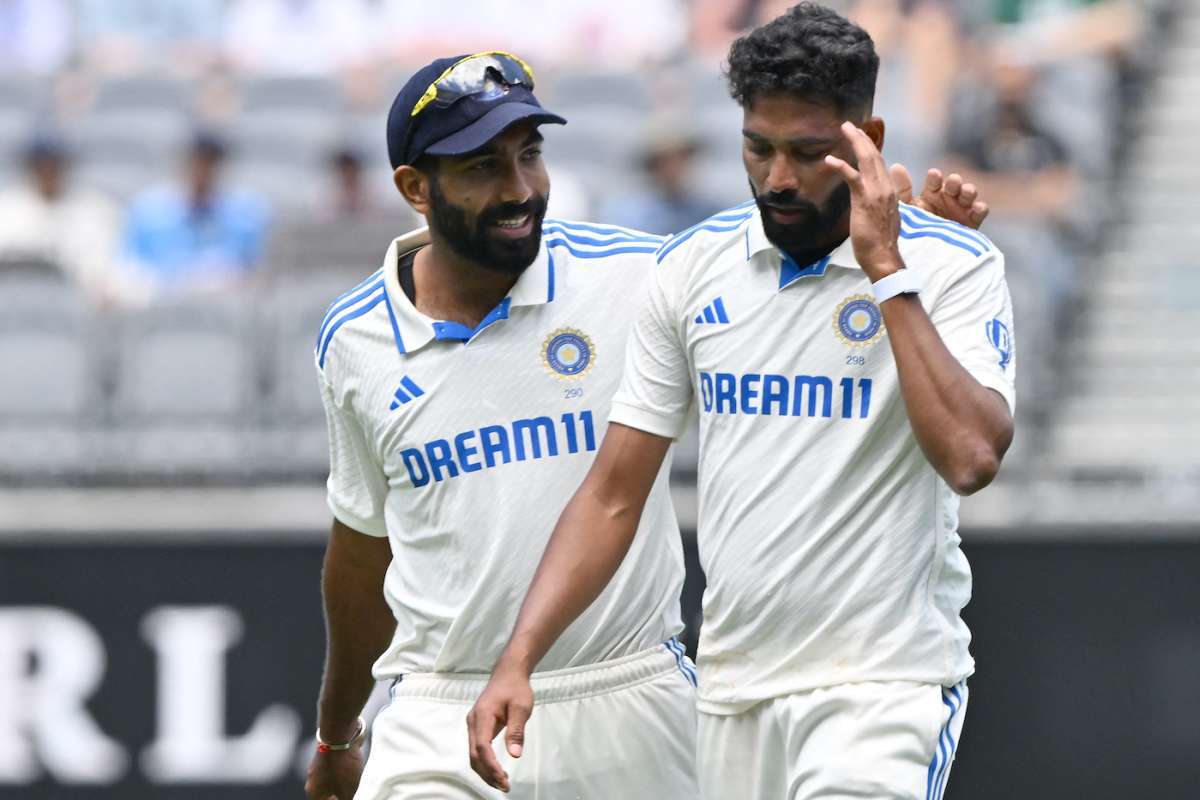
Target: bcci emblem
(858, 322)
(568, 353)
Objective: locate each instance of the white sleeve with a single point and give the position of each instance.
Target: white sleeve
(357, 485)
(656, 388)
(974, 317)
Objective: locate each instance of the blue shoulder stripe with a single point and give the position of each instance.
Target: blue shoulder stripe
(737, 210)
(370, 279)
(608, 230)
(396, 327)
(578, 238)
(978, 243)
(632, 247)
(358, 312)
(679, 239)
(339, 307)
(920, 217)
(948, 231)
(737, 213)
(931, 234)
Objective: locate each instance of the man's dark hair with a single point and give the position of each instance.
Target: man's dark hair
(811, 53)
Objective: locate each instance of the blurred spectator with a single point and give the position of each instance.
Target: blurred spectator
(548, 33)
(348, 196)
(1059, 30)
(1028, 180)
(669, 201)
(1079, 48)
(35, 35)
(46, 221)
(614, 34)
(125, 35)
(1024, 166)
(713, 25)
(917, 44)
(299, 37)
(199, 235)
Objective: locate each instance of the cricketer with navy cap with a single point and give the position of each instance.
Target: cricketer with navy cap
(466, 384)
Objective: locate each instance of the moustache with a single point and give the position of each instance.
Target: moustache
(788, 201)
(534, 207)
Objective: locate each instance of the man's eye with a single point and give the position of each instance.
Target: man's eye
(480, 166)
(533, 154)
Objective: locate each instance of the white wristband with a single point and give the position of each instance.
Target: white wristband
(903, 282)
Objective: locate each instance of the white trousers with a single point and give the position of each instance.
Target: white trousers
(866, 741)
(621, 730)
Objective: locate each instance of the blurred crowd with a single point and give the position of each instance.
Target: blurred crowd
(162, 148)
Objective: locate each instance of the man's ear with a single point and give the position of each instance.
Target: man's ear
(414, 187)
(873, 127)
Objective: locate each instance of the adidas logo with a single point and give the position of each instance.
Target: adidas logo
(713, 313)
(407, 392)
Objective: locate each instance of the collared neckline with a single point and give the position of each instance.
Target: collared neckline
(413, 330)
(789, 271)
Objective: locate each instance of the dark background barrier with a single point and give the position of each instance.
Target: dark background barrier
(168, 668)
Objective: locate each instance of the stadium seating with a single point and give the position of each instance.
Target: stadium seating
(1131, 408)
(185, 360)
(47, 352)
(226, 388)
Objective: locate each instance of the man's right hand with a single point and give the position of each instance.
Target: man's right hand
(335, 776)
(506, 702)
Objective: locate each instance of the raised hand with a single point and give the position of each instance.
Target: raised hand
(950, 197)
(874, 206)
(506, 702)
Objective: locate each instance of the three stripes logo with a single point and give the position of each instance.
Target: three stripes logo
(713, 313)
(407, 392)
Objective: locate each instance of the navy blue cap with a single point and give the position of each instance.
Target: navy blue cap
(464, 127)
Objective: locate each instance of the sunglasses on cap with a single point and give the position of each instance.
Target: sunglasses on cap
(489, 74)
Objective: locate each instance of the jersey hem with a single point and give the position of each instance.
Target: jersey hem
(645, 420)
(374, 529)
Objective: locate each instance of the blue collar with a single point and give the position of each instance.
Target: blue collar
(413, 330)
(447, 331)
(790, 271)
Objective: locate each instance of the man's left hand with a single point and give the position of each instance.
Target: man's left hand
(949, 197)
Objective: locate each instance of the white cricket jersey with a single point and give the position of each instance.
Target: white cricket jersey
(829, 543)
(463, 446)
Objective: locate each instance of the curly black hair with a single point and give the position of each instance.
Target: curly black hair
(810, 52)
